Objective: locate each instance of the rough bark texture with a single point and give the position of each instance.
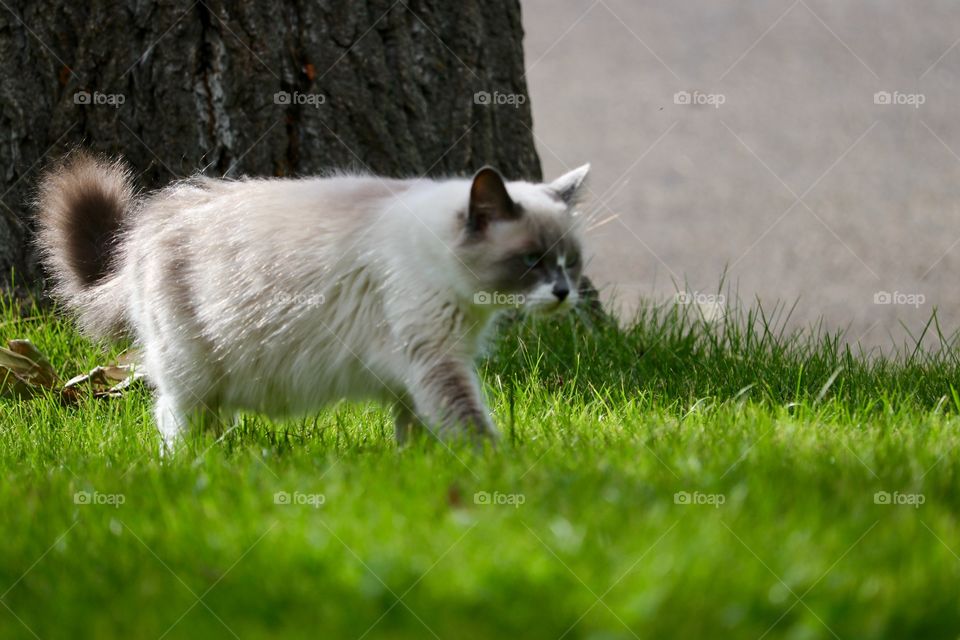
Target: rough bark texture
(257, 88)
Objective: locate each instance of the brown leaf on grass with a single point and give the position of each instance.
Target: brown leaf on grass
(104, 382)
(45, 374)
(12, 386)
(454, 496)
(26, 372)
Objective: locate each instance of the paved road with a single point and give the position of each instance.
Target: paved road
(785, 168)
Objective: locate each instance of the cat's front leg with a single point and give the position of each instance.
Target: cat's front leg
(446, 396)
(407, 424)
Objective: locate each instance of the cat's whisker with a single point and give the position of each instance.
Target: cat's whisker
(603, 222)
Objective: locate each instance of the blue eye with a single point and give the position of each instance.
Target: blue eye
(531, 259)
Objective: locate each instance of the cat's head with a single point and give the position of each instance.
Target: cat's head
(521, 242)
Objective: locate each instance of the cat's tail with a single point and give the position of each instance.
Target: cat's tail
(81, 209)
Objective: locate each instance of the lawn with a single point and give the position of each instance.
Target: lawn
(669, 479)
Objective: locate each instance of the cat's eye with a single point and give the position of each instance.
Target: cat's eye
(571, 261)
(531, 259)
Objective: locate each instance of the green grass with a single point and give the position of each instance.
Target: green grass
(603, 427)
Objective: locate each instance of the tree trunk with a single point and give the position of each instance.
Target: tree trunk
(257, 88)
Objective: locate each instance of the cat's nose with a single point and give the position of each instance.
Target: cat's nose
(561, 290)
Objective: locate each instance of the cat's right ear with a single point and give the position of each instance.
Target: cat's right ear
(489, 201)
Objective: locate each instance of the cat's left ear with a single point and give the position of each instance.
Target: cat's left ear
(567, 187)
(489, 200)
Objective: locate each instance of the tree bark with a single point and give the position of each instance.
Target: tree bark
(239, 87)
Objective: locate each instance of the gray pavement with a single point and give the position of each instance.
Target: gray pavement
(757, 138)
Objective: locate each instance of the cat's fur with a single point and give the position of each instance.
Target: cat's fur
(282, 296)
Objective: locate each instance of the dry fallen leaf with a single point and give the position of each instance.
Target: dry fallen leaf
(26, 372)
(44, 373)
(105, 382)
(23, 376)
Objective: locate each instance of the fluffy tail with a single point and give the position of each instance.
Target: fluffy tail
(81, 209)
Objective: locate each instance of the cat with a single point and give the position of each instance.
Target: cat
(283, 296)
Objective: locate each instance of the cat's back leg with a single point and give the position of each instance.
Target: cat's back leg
(179, 361)
(177, 420)
(186, 384)
(172, 422)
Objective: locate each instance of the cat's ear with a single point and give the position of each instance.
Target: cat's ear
(489, 200)
(567, 187)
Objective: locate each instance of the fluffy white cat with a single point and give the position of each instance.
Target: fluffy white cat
(282, 296)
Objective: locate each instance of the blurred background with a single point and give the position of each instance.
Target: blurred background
(808, 148)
